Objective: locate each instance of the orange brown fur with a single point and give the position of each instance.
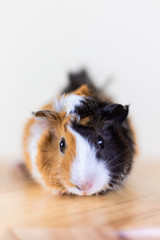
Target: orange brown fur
(51, 163)
(83, 91)
(54, 166)
(85, 121)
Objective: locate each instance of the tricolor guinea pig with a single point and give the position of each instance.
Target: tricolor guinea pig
(80, 143)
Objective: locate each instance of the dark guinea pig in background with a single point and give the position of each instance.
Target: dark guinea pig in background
(81, 142)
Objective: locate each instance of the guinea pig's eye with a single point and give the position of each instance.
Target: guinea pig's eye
(100, 142)
(62, 145)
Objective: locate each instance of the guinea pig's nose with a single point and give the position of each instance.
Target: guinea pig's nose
(85, 186)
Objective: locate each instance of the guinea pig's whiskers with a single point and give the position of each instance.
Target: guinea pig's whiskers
(117, 156)
(116, 174)
(57, 191)
(116, 166)
(103, 191)
(121, 193)
(60, 188)
(47, 168)
(125, 185)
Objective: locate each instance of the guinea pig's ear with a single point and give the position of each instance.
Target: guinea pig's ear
(116, 112)
(46, 117)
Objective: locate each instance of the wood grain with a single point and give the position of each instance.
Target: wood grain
(24, 204)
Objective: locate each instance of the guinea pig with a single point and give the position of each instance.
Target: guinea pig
(80, 143)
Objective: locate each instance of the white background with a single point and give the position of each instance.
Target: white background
(41, 40)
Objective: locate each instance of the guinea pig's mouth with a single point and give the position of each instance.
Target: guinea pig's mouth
(86, 190)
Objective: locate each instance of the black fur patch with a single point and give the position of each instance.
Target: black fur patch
(107, 121)
(78, 79)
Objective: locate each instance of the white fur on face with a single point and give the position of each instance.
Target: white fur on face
(86, 168)
(67, 103)
(36, 131)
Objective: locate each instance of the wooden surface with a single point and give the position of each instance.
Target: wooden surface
(25, 207)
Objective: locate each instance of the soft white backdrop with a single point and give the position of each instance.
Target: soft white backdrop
(41, 40)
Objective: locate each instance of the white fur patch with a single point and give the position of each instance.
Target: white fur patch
(58, 104)
(67, 103)
(36, 131)
(87, 168)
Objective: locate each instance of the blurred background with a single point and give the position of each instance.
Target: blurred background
(41, 41)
